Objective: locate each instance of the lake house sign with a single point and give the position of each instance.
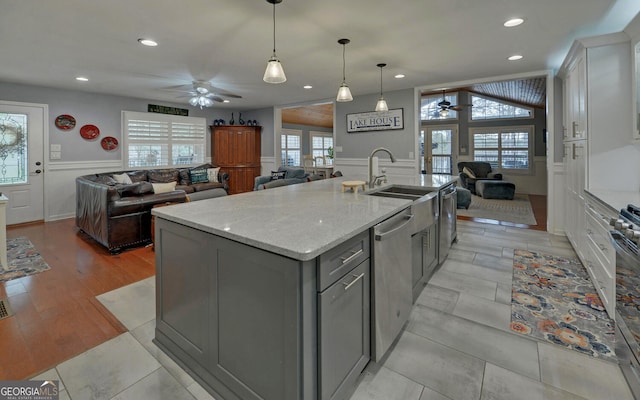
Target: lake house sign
(375, 121)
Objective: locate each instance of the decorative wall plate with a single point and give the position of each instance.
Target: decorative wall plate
(89, 132)
(109, 143)
(65, 122)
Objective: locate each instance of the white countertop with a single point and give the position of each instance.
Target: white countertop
(298, 221)
(616, 199)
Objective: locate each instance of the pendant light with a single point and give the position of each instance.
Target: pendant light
(381, 105)
(344, 94)
(274, 72)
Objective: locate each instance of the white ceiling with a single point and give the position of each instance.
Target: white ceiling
(227, 42)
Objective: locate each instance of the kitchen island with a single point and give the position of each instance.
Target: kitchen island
(266, 295)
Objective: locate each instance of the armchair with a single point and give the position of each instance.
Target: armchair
(475, 171)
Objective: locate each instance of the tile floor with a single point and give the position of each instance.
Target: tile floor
(457, 344)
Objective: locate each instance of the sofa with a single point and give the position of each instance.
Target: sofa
(114, 208)
(472, 171)
(282, 177)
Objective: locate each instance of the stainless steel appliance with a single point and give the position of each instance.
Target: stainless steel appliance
(392, 290)
(625, 238)
(448, 207)
(424, 241)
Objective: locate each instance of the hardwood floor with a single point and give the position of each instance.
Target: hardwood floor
(56, 315)
(539, 207)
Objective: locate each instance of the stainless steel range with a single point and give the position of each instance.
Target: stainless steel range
(625, 237)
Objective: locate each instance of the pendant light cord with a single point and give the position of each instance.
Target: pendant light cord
(380, 81)
(274, 28)
(344, 79)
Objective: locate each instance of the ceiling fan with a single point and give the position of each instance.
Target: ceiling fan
(445, 106)
(203, 94)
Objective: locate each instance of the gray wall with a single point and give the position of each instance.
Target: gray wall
(105, 111)
(359, 145)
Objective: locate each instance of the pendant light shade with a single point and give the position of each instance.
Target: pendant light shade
(381, 105)
(274, 72)
(344, 93)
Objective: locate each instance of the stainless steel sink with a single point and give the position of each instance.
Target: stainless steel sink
(395, 195)
(424, 206)
(415, 191)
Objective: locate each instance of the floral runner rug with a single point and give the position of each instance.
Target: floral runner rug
(553, 299)
(23, 260)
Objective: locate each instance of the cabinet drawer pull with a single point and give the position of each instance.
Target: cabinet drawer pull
(351, 257)
(348, 285)
(574, 127)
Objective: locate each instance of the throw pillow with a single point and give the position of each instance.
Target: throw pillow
(199, 175)
(164, 187)
(469, 173)
(275, 175)
(122, 178)
(212, 173)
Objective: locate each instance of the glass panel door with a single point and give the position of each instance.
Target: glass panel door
(436, 145)
(21, 156)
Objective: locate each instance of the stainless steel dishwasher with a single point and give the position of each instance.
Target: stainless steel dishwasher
(392, 273)
(448, 206)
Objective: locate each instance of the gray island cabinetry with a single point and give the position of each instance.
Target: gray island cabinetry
(257, 297)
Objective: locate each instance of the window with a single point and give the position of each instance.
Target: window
(13, 148)
(504, 148)
(290, 146)
(484, 108)
(430, 110)
(320, 143)
(158, 140)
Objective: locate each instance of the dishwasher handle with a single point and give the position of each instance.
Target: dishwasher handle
(382, 236)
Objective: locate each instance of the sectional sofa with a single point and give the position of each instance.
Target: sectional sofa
(114, 208)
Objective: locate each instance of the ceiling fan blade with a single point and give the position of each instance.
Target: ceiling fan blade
(215, 97)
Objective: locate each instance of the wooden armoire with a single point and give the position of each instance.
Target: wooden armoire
(236, 150)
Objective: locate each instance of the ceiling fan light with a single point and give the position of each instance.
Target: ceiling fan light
(274, 72)
(193, 101)
(444, 113)
(381, 105)
(344, 93)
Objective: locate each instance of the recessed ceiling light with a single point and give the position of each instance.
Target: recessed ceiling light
(513, 22)
(307, 86)
(399, 76)
(225, 101)
(515, 57)
(82, 79)
(147, 42)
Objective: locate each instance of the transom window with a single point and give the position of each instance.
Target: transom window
(503, 148)
(159, 140)
(320, 143)
(290, 147)
(430, 110)
(484, 108)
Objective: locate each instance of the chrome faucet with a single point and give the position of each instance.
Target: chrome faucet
(372, 178)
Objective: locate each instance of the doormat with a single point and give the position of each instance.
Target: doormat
(554, 300)
(518, 210)
(23, 260)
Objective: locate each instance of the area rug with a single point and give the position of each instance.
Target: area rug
(518, 210)
(553, 299)
(23, 260)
